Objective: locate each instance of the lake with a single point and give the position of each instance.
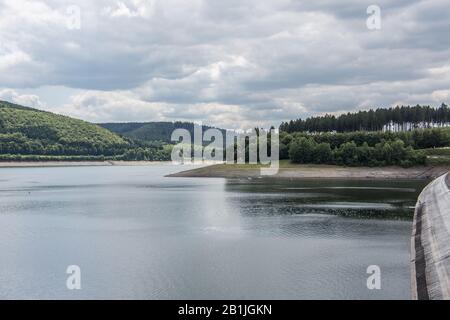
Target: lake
(138, 235)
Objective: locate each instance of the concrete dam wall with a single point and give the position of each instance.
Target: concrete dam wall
(430, 242)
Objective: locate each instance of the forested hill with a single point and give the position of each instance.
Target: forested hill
(402, 118)
(30, 134)
(29, 131)
(151, 131)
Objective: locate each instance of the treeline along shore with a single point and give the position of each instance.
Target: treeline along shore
(30, 136)
(38, 164)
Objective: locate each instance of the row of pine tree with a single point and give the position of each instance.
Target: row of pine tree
(404, 118)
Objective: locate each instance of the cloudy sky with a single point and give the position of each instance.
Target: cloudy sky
(233, 63)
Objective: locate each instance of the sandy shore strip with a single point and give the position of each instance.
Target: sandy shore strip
(317, 172)
(33, 164)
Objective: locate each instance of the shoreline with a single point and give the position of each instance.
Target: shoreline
(44, 164)
(286, 171)
(317, 172)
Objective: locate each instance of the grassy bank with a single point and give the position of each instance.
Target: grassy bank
(438, 156)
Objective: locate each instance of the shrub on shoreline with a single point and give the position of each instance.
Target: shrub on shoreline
(307, 150)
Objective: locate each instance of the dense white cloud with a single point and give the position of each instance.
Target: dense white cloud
(137, 8)
(100, 106)
(30, 100)
(231, 63)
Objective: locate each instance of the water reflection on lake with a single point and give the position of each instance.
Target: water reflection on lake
(137, 234)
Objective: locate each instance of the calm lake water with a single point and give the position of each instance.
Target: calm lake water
(138, 235)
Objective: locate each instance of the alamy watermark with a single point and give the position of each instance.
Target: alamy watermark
(255, 146)
(73, 21)
(373, 22)
(73, 281)
(374, 280)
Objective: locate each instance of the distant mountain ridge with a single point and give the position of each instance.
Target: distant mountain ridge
(151, 131)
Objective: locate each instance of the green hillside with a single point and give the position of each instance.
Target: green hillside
(27, 133)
